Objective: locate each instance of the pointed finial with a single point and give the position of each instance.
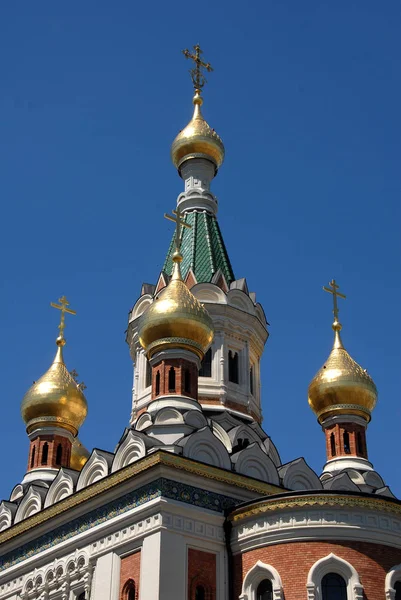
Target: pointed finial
(333, 289)
(198, 78)
(177, 256)
(63, 308)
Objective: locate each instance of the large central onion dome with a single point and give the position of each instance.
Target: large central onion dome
(197, 140)
(55, 400)
(341, 386)
(176, 319)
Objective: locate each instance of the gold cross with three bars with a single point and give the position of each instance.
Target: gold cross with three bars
(333, 290)
(198, 79)
(179, 223)
(63, 308)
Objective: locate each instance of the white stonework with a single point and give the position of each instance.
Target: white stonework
(333, 564)
(317, 522)
(255, 576)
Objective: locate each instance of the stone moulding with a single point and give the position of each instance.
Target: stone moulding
(317, 499)
(111, 481)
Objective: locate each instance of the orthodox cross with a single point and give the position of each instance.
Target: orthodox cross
(63, 308)
(333, 290)
(75, 376)
(179, 224)
(198, 79)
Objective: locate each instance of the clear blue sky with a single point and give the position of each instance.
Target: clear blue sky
(306, 98)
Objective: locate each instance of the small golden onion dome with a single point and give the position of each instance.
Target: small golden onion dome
(79, 455)
(55, 400)
(176, 319)
(197, 140)
(341, 386)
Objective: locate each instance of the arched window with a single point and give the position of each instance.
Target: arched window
(264, 590)
(251, 380)
(200, 593)
(187, 382)
(59, 454)
(129, 590)
(333, 444)
(33, 457)
(233, 367)
(206, 365)
(359, 443)
(347, 448)
(397, 588)
(45, 453)
(171, 380)
(333, 587)
(148, 375)
(157, 384)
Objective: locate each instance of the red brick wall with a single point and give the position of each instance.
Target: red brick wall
(52, 442)
(353, 430)
(201, 571)
(293, 561)
(130, 571)
(180, 366)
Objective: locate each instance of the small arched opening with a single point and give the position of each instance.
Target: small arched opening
(33, 457)
(59, 454)
(45, 453)
(171, 380)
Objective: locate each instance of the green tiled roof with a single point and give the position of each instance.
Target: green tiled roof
(202, 248)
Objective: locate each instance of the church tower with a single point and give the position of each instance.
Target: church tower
(229, 376)
(54, 408)
(342, 395)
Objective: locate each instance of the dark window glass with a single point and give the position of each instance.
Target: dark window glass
(45, 453)
(157, 386)
(59, 453)
(187, 382)
(397, 588)
(333, 444)
(265, 590)
(347, 448)
(171, 380)
(131, 594)
(200, 593)
(148, 377)
(334, 587)
(129, 590)
(206, 365)
(359, 443)
(33, 456)
(81, 596)
(251, 380)
(233, 367)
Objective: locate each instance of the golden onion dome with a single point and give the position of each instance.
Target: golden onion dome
(79, 455)
(341, 386)
(176, 319)
(55, 400)
(197, 139)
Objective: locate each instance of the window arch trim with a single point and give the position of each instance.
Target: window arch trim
(255, 576)
(333, 564)
(392, 577)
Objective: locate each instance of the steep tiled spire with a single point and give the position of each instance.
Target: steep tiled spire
(202, 248)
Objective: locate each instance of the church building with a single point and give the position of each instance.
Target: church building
(194, 503)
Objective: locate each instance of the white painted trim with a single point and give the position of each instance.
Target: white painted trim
(333, 564)
(392, 577)
(315, 523)
(255, 576)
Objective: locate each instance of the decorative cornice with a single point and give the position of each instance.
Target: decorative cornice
(317, 499)
(127, 473)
